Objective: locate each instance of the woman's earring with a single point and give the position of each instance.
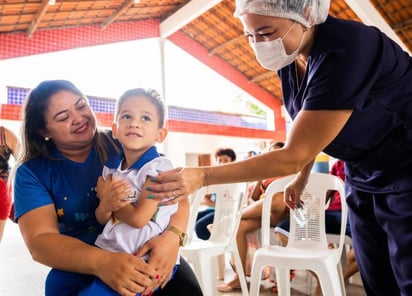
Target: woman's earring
(47, 139)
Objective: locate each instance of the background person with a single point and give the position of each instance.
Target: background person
(205, 217)
(347, 88)
(55, 200)
(9, 145)
(251, 221)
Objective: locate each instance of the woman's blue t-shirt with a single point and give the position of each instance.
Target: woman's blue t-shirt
(70, 186)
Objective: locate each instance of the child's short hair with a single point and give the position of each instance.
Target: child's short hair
(150, 94)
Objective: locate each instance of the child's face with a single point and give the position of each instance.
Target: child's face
(137, 124)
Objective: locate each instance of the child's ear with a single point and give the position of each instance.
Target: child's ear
(161, 135)
(114, 130)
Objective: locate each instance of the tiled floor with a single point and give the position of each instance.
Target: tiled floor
(20, 275)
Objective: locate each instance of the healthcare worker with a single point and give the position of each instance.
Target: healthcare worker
(348, 88)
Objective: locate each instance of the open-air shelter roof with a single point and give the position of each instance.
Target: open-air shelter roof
(208, 23)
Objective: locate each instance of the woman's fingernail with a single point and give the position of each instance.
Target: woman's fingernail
(152, 179)
(149, 188)
(150, 196)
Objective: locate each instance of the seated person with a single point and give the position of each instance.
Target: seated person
(205, 217)
(9, 145)
(251, 221)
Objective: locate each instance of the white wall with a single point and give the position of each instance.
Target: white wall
(182, 148)
(12, 125)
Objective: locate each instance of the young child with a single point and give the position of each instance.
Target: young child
(130, 222)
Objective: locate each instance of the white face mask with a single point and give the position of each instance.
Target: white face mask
(272, 54)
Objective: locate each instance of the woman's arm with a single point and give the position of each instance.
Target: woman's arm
(12, 142)
(125, 273)
(310, 133)
(257, 191)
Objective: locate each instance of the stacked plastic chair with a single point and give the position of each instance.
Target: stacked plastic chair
(202, 254)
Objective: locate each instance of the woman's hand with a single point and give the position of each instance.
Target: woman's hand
(164, 250)
(126, 274)
(293, 192)
(177, 184)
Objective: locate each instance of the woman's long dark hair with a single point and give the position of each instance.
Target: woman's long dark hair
(34, 121)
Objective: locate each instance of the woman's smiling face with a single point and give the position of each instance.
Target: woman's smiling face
(70, 123)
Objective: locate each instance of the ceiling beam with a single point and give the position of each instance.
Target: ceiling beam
(118, 13)
(223, 45)
(263, 76)
(37, 18)
(403, 25)
(185, 15)
(370, 16)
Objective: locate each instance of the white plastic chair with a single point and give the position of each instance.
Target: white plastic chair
(335, 240)
(194, 200)
(203, 253)
(307, 246)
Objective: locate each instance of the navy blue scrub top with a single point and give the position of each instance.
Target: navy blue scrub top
(353, 66)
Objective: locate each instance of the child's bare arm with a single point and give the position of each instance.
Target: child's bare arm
(139, 214)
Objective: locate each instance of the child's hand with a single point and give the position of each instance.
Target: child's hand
(113, 194)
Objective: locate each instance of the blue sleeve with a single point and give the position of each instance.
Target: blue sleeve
(350, 60)
(29, 192)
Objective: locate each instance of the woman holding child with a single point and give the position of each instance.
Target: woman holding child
(62, 158)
